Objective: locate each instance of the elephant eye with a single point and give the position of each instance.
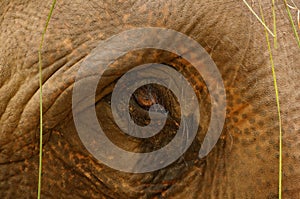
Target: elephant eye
(140, 104)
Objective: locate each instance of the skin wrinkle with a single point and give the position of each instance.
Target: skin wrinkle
(66, 71)
(227, 171)
(33, 100)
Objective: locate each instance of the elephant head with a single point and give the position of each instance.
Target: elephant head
(244, 163)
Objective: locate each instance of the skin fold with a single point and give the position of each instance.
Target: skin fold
(244, 162)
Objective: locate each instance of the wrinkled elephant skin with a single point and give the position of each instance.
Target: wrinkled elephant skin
(243, 163)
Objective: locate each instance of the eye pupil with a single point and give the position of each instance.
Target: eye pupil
(145, 96)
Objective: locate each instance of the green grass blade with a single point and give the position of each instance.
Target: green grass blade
(274, 23)
(41, 100)
(261, 21)
(292, 23)
(278, 109)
